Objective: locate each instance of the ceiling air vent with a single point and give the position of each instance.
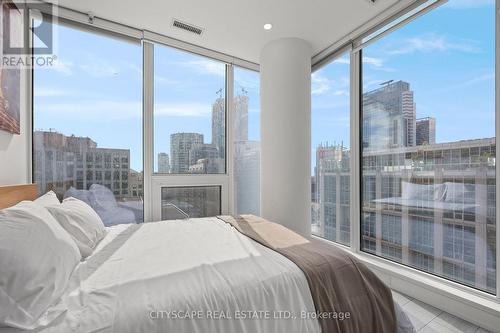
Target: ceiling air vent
(187, 27)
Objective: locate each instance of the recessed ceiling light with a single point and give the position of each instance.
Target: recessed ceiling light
(268, 26)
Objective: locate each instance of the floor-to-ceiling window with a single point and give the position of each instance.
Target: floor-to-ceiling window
(189, 113)
(246, 141)
(190, 127)
(330, 179)
(87, 123)
(428, 144)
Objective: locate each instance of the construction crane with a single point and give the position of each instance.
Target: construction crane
(219, 92)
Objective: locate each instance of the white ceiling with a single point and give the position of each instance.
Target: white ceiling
(235, 27)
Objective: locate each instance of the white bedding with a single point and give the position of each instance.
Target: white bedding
(139, 270)
(202, 265)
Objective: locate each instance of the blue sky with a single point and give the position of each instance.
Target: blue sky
(95, 89)
(447, 56)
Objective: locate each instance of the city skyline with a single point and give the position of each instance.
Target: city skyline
(424, 204)
(198, 148)
(411, 54)
(185, 91)
(95, 89)
(428, 150)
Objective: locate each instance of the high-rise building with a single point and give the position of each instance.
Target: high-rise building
(390, 109)
(163, 163)
(247, 176)
(332, 192)
(219, 126)
(180, 145)
(409, 111)
(240, 121)
(204, 158)
(246, 160)
(63, 161)
(240, 118)
(136, 181)
(426, 131)
(202, 151)
(456, 241)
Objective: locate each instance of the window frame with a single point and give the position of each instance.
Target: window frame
(153, 182)
(357, 51)
(344, 51)
(437, 290)
(433, 288)
(73, 20)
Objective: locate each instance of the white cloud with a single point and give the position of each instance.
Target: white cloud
(375, 62)
(341, 104)
(472, 81)
(370, 83)
(132, 66)
(98, 69)
(466, 4)
(341, 92)
(434, 43)
(183, 110)
(341, 121)
(481, 78)
(48, 92)
(118, 110)
(103, 110)
(205, 66)
(320, 84)
(343, 60)
(95, 109)
(164, 80)
(63, 67)
(247, 82)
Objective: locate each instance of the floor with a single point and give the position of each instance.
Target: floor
(428, 319)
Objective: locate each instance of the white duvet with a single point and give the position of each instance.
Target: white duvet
(197, 275)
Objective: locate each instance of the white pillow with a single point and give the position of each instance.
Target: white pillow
(83, 195)
(101, 197)
(37, 257)
(48, 199)
(81, 222)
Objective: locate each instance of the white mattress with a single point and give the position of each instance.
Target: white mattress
(142, 271)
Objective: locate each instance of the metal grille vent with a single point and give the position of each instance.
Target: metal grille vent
(187, 27)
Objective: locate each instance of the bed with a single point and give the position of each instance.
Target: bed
(195, 275)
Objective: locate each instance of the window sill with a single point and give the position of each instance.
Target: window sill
(477, 307)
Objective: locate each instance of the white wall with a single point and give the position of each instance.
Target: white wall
(14, 149)
(285, 90)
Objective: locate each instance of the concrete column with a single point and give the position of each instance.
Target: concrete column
(285, 92)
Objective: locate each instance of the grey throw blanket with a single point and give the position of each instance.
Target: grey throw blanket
(348, 297)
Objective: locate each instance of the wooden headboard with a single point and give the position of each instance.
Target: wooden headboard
(12, 194)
